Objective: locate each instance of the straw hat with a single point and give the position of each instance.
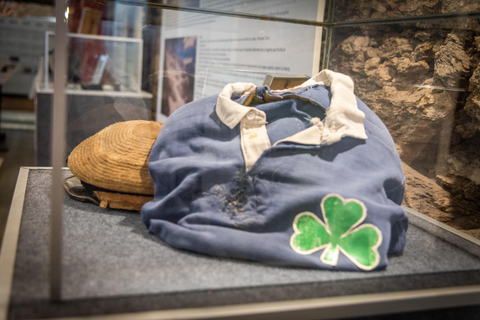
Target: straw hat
(116, 158)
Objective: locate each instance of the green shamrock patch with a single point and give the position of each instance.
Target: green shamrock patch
(339, 231)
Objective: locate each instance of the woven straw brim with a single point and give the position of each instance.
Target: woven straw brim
(121, 200)
(116, 158)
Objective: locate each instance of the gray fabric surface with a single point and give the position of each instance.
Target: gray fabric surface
(110, 257)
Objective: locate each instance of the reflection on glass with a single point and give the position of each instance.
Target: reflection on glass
(362, 10)
(178, 84)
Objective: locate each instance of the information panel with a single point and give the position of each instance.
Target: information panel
(200, 53)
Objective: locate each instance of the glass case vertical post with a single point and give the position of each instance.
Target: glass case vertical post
(58, 149)
(327, 34)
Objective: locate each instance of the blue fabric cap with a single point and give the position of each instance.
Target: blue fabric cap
(331, 204)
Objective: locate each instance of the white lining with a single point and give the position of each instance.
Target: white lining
(230, 112)
(254, 137)
(342, 119)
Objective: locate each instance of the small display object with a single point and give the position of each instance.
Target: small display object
(90, 21)
(282, 81)
(98, 62)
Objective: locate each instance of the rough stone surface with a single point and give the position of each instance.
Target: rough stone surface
(394, 74)
(27, 9)
(427, 196)
(452, 63)
(380, 9)
(423, 80)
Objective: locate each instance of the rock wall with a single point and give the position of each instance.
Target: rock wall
(423, 79)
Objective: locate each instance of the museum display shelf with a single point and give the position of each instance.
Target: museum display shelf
(97, 61)
(113, 266)
(103, 87)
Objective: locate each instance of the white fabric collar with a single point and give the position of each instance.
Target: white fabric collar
(342, 119)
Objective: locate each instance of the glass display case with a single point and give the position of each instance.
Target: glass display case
(103, 86)
(277, 158)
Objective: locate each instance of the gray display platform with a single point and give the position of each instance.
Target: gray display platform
(112, 265)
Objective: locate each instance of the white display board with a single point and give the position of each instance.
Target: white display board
(200, 53)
